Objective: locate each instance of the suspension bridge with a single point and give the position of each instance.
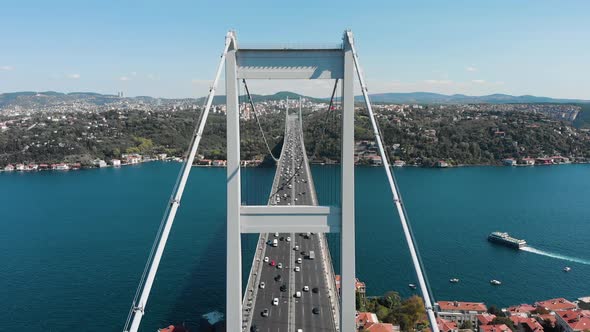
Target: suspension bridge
(291, 285)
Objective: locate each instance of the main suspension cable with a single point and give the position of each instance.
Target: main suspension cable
(258, 121)
(397, 199)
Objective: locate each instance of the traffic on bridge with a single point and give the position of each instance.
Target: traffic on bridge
(293, 291)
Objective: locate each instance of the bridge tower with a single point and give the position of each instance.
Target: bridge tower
(298, 63)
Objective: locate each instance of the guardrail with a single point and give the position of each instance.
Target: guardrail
(251, 288)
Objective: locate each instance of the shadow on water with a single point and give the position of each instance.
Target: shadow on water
(204, 289)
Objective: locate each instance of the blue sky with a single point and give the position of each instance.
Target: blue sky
(170, 48)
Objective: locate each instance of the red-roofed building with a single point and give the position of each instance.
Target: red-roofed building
(460, 312)
(523, 310)
(494, 328)
(574, 320)
(379, 327)
(558, 304)
(364, 318)
(446, 325)
(485, 319)
(548, 319)
(526, 324)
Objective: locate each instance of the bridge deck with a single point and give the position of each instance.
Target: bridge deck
(293, 185)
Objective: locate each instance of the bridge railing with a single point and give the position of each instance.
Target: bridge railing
(326, 257)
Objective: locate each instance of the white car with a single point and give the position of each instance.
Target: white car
(288, 239)
(306, 288)
(266, 259)
(275, 301)
(297, 269)
(299, 260)
(262, 285)
(276, 234)
(296, 248)
(297, 294)
(280, 266)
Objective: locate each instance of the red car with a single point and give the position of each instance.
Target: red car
(272, 263)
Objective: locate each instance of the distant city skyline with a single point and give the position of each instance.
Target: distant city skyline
(157, 49)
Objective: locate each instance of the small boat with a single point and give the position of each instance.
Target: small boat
(567, 269)
(412, 286)
(495, 282)
(454, 280)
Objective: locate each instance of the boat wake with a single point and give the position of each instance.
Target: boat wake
(554, 255)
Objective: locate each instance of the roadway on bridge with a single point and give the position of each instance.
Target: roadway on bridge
(294, 186)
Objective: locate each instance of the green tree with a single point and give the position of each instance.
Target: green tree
(467, 325)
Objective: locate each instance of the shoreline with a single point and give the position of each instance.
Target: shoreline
(15, 171)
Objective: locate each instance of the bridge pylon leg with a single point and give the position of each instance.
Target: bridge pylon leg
(347, 235)
(234, 246)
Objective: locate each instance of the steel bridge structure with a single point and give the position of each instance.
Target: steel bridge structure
(292, 225)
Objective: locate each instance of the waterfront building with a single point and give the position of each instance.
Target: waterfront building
(399, 163)
(523, 310)
(100, 163)
(584, 302)
(20, 167)
(116, 162)
(162, 156)
(60, 167)
(558, 304)
(543, 161)
(442, 164)
(204, 162)
(9, 168)
(219, 163)
(509, 162)
(573, 320)
(528, 161)
(460, 312)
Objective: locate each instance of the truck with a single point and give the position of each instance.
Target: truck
(311, 255)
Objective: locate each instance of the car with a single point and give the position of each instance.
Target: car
(299, 260)
(275, 301)
(280, 266)
(303, 252)
(306, 288)
(278, 277)
(276, 234)
(264, 312)
(273, 263)
(283, 288)
(254, 328)
(288, 237)
(296, 247)
(281, 238)
(316, 310)
(266, 259)
(315, 290)
(297, 269)
(299, 330)
(297, 294)
(262, 284)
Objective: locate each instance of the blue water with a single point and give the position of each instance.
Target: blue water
(73, 244)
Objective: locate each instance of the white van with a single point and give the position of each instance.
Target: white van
(275, 243)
